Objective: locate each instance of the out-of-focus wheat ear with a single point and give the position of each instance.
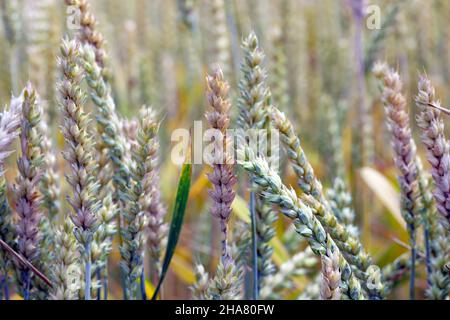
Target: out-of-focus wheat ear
(202, 282)
(12, 26)
(302, 263)
(279, 85)
(158, 229)
(220, 36)
(341, 204)
(364, 120)
(50, 183)
(380, 35)
(88, 34)
(395, 271)
(49, 188)
(312, 290)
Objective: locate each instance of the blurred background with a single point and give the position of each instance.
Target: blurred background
(319, 54)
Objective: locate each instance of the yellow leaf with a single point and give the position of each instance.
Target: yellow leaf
(182, 269)
(280, 254)
(240, 208)
(200, 184)
(15, 296)
(384, 191)
(149, 288)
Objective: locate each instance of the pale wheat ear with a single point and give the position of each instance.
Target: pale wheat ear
(136, 220)
(253, 103)
(313, 196)
(307, 225)
(79, 155)
(202, 283)
(111, 150)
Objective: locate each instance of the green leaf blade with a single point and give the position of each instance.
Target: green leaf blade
(179, 209)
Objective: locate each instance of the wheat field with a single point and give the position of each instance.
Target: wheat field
(224, 149)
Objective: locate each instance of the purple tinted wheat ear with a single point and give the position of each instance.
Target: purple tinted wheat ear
(402, 141)
(404, 151)
(437, 147)
(226, 283)
(222, 177)
(26, 191)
